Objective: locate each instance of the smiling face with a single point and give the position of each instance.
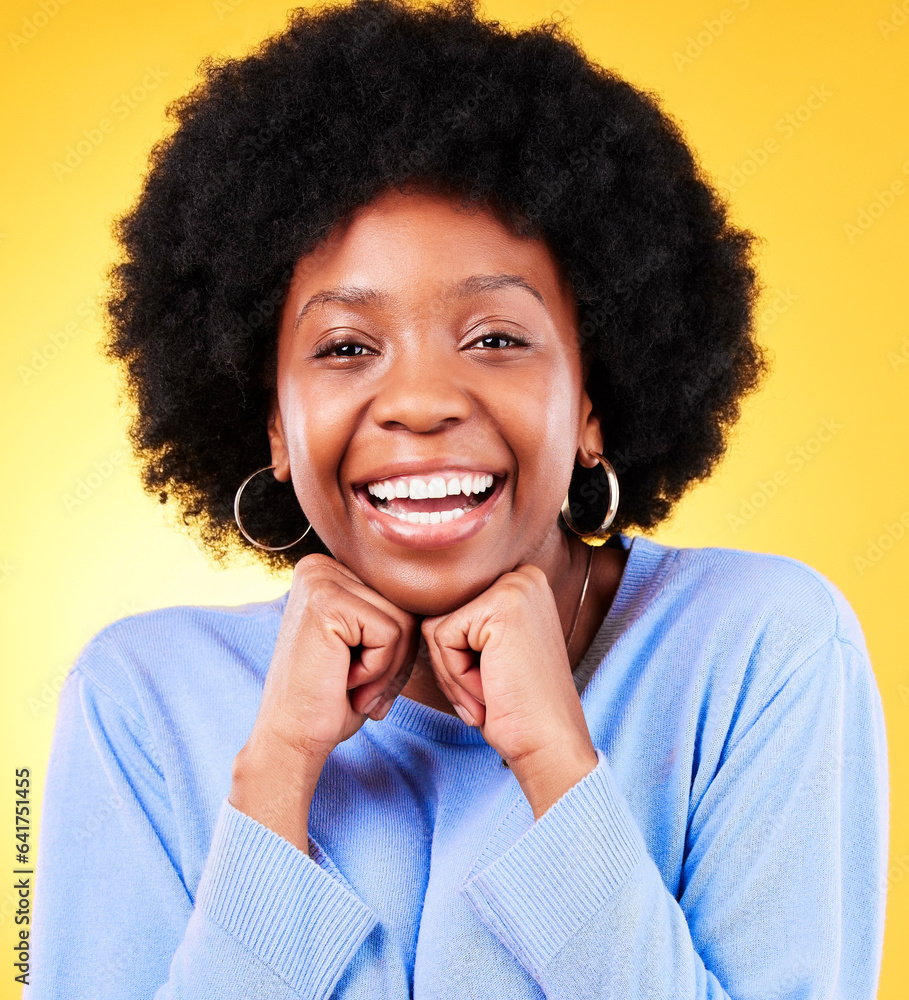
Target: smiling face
(430, 399)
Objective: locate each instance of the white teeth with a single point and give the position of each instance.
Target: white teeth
(433, 517)
(437, 486)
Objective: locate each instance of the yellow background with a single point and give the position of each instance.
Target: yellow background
(835, 315)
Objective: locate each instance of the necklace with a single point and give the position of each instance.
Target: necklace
(577, 614)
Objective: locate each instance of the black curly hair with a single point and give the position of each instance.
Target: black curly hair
(272, 150)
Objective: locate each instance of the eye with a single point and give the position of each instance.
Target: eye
(341, 347)
(499, 339)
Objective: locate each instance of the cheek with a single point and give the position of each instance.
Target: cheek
(544, 441)
(318, 430)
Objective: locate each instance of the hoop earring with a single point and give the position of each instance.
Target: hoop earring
(246, 534)
(599, 536)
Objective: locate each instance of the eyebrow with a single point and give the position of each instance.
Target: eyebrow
(476, 284)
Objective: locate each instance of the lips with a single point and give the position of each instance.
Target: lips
(430, 522)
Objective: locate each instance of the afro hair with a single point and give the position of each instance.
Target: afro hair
(270, 151)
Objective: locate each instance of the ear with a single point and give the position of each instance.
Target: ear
(591, 436)
(280, 458)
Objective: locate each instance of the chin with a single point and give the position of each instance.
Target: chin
(430, 603)
(428, 598)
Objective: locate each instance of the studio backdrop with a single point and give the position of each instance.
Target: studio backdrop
(797, 109)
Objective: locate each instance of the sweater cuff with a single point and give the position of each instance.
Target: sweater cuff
(562, 870)
(296, 913)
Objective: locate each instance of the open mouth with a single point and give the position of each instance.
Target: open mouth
(433, 501)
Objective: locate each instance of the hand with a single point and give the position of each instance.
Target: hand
(502, 658)
(341, 645)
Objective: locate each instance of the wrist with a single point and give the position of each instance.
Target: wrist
(274, 785)
(546, 776)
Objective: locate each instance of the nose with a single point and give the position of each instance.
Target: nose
(420, 392)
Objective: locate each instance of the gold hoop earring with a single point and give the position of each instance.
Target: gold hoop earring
(246, 534)
(599, 536)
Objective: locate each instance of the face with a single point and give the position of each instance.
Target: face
(430, 399)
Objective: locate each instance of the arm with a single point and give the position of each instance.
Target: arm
(782, 888)
(114, 916)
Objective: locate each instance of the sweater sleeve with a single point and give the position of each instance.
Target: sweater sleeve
(114, 916)
(782, 891)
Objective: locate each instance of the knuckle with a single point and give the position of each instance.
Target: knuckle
(534, 574)
(529, 576)
(311, 563)
(322, 596)
(311, 571)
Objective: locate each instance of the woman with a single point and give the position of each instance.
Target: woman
(433, 314)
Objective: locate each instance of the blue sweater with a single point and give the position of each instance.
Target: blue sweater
(731, 841)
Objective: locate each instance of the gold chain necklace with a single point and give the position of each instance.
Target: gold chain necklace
(577, 614)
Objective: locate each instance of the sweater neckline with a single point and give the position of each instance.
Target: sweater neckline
(640, 577)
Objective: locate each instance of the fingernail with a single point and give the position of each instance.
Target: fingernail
(384, 710)
(368, 708)
(466, 717)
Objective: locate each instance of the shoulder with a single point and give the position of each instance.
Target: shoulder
(770, 597)
(741, 627)
(167, 650)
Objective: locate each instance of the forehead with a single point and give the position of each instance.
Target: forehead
(418, 247)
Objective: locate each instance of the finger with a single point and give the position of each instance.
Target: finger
(387, 674)
(385, 682)
(405, 619)
(373, 638)
(394, 688)
(366, 663)
(458, 675)
(460, 645)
